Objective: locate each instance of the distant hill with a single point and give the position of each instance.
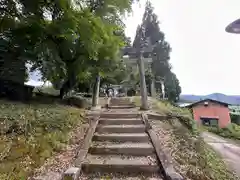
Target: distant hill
(230, 99)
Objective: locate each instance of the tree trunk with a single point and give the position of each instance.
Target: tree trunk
(62, 92)
(68, 85)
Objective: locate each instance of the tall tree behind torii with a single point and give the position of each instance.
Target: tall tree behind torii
(161, 66)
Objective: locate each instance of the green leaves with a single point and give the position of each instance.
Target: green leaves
(172, 87)
(64, 41)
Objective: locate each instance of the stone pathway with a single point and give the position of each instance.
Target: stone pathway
(121, 144)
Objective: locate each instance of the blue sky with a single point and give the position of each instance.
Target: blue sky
(204, 57)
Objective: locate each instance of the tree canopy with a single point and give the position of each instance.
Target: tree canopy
(161, 66)
(172, 87)
(66, 40)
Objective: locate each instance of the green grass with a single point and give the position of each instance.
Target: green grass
(31, 133)
(166, 108)
(193, 158)
(163, 107)
(137, 101)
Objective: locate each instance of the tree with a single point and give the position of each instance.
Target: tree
(172, 87)
(68, 41)
(160, 54)
(162, 49)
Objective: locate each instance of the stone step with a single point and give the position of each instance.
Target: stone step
(127, 102)
(114, 163)
(119, 102)
(118, 115)
(134, 149)
(120, 128)
(122, 137)
(129, 121)
(120, 176)
(120, 106)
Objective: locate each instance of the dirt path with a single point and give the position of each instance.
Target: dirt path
(227, 149)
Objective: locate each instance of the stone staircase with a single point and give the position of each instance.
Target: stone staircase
(120, 103)
(121, 148)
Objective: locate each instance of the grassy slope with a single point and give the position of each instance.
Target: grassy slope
(193, 158)
(40, 130)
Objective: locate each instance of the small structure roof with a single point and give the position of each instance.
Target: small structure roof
(212, 100)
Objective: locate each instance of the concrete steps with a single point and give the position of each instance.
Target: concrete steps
(130, 148)
(119, 115)
(120, 102)
(125, 106)
(129, 121)
(110, 163)
(120, 176)
(122, 137)
(121, 144)
(121, 128)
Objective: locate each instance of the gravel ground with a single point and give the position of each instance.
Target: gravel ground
(56, 165)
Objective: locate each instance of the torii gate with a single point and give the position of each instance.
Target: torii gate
(130, 56)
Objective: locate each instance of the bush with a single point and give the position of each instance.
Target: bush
(231, 131)
(235, 118)
(77, 101)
